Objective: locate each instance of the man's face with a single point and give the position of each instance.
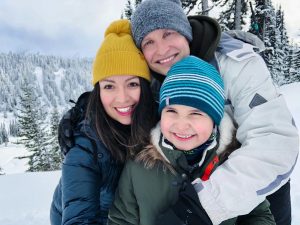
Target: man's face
(162, 48)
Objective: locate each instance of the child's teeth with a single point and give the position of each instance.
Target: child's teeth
(184, 136)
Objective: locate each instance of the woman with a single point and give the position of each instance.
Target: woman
(120, 100)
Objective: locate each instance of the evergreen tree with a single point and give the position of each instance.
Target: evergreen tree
(1, 137)
(265, 18)
(280, 50)
(258, 18)
(3, 134)
(130, 7)
(205, 8)
(292, 72)
(128, 10)
(296, 64)
(55, 149)
(234, 15)
(269, 25)
(189, 5)
(13, 128)
(270, 39)
(32, 129)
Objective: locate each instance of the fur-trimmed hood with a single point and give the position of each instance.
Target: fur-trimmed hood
(153, 154)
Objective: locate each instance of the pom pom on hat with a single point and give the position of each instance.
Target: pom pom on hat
(195, 83)
(118, 54)
(151, 15)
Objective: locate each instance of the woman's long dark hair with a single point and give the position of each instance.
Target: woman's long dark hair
(124, 141)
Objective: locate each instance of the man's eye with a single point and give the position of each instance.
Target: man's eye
(167, 33)
(147, 43)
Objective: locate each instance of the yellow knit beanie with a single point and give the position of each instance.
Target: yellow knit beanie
(118, 54)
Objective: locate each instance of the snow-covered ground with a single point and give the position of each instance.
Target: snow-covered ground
(25, 197)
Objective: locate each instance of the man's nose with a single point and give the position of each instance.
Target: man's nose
(162, 47)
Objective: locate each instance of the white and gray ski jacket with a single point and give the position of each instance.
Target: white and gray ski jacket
(266, 130)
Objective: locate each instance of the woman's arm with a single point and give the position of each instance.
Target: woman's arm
(81, 183)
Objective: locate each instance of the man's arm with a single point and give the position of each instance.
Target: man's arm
(269, 139)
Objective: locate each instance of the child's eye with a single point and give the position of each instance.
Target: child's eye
(170, 111)
(197, 113)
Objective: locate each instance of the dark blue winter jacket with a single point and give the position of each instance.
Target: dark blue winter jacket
(88, 182)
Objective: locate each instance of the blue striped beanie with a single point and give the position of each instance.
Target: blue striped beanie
(195, 83)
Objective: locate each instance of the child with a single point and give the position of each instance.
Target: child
(187, 144)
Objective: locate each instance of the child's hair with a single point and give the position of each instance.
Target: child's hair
(195, 83)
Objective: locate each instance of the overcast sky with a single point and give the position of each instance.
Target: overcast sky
(76, 27)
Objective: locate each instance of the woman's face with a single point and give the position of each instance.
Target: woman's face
(119, 96)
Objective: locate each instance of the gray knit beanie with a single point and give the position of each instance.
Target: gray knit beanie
(151, 15)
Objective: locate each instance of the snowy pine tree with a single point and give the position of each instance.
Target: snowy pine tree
(280, 71)
(258, 18)
(14, 128)
(56, 156)
(291, 63)
(296, 64)
(32, 129)
(234, 15)
(128, 10)
(3, 135)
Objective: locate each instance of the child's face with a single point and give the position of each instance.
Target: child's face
(185, 127)
(162, 48)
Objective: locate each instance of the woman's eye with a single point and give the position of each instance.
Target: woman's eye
(108, 86)
(133, 84)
